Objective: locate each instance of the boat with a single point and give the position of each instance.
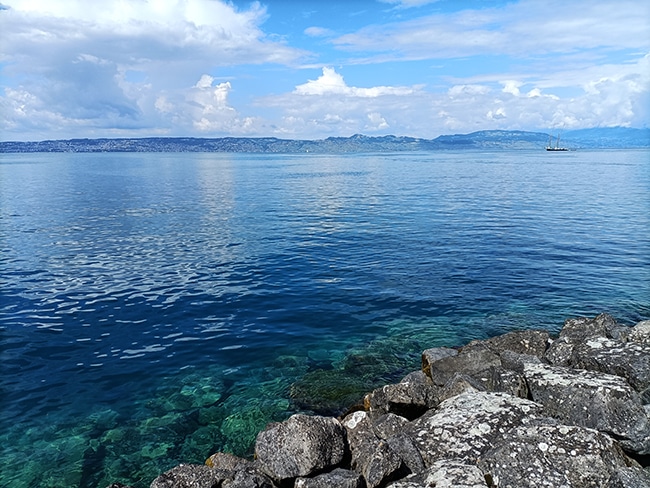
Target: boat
(551, 147)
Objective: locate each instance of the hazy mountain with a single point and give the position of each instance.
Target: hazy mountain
(600, 138)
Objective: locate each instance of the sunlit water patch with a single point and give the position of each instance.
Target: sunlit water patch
(156, 308)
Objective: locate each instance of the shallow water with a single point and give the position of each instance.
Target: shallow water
(156, 308)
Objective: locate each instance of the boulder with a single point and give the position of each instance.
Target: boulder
(591, 399)
(406, 399)
(379, 449)
(300, 446)
(529, 342)
(465, 426)
(227, 461)
(547, 454)
(339, 478)
(190, 476)
(448, 473)
(389, 425)
(640, 333)
(469, 361)
(579, 329)
(629, 478)
(630, 360)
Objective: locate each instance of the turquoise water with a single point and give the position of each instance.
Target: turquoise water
(156, 308)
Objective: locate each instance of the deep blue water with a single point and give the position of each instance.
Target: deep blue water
(156, 308)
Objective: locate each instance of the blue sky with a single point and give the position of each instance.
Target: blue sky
(313, 69)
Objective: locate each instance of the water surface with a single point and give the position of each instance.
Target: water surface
(156, 308)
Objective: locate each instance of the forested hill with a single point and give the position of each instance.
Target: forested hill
(616, 137)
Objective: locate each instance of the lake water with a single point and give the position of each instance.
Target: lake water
(156, 308)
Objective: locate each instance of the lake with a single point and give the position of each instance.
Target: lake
(156, 308)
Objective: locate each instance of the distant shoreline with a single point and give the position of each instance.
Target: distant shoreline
(607, 138)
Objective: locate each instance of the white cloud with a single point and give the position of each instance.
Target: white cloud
(331, 82)
(68, 60)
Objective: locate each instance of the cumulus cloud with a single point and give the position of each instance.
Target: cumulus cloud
(331, 82)
(73, 61)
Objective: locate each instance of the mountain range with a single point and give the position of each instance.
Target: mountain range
(598, 138)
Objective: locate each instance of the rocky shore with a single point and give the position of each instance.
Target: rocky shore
(518, 410)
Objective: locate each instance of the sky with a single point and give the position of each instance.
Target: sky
(313, 69)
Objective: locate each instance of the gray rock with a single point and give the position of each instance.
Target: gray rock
(529, 342)
(435, 354)
(544, 454)
(300, 446)
(361, 438)
(224, 460)
(469, 361)
(457, 385)
(190, 476)
(465, 426)
(579, 329)
(418, 377)
(445, 474)
(339, 478)
(591, 399)
(404, 446)
(514, 361)
(631, 360)
(629, 478)
(503, 380)
(389, 425)
(382, 466)
(373, 458)
(640, 333)
(247, 477)
(409, 400)
(560, 352)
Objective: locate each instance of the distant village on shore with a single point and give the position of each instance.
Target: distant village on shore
(597, 138)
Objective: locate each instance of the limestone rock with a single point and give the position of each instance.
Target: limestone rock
(530, 342)
(408, 400)
(582, 328)
(559, 352)
(631, 360)
(339, 478)
(629, 478)
(382, 465)
(465, 426)
(640, 333)
(389, 425)
(189, 476)
(361, 438)
(470, 361)
(544, 454)
(404, 446)
(457, 385)
(514, 361)
(448, 473)
(300, 446)
(591, 399)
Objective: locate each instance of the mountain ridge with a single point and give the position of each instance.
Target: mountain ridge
(596, 138)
